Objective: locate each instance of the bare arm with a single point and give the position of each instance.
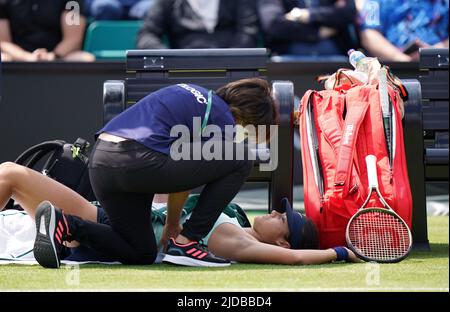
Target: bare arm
(442, 44)
(172, 228)
(175, 205)
(5, 31)
(15, 52)
(379, 46)
(257, 252)
(228, 241)
(73, 35)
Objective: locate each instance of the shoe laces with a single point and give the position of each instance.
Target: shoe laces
(202, 243)
(204, 248)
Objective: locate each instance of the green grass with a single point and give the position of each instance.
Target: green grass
(421, 271)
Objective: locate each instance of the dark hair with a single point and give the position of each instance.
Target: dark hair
(251, 102)
(309, 235)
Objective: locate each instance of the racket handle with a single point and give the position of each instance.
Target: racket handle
(383, 90)
(371, 162)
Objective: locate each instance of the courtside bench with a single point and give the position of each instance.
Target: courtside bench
(426, 134)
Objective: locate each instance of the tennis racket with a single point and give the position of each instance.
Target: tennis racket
(378, 233)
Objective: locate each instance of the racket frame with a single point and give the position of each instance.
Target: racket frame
(373, 187)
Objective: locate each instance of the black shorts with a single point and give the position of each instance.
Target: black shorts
(83, 253)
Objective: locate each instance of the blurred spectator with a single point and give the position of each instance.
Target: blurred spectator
(394, 30)
(117, 9)
(195, 24)
(42, 30)
(308, 27)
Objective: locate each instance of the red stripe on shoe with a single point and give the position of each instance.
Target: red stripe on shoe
(191, 251)
(60, 226)
(195, 254)
(59, 232)
(58, 238)
(202, 255)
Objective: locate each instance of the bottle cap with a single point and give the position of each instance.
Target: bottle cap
(350, 51)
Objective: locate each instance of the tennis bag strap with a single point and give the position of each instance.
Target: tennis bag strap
(31, 156)
(359, 98)
(66, 163)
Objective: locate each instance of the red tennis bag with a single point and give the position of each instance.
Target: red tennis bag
(338, 129)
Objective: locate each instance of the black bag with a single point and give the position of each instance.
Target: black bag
(61, 161)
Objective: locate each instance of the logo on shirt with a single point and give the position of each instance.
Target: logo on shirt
(198, 95)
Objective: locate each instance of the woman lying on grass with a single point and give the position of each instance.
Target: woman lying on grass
(275, 238)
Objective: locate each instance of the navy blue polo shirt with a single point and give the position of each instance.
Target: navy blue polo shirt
(150, 120)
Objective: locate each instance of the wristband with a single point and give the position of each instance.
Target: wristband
(342, 253)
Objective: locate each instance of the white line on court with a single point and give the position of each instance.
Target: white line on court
(262, 290)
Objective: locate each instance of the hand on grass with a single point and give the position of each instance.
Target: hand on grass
(352, 257)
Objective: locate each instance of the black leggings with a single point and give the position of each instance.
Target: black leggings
(126, 175)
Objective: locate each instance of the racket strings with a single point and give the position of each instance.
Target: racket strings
(379, 236)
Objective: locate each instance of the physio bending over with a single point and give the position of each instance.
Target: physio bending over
(137, 155)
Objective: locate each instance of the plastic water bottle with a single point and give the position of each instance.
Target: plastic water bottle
(355, 58)
(361, 63)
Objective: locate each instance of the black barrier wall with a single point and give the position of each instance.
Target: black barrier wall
(46, 101)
